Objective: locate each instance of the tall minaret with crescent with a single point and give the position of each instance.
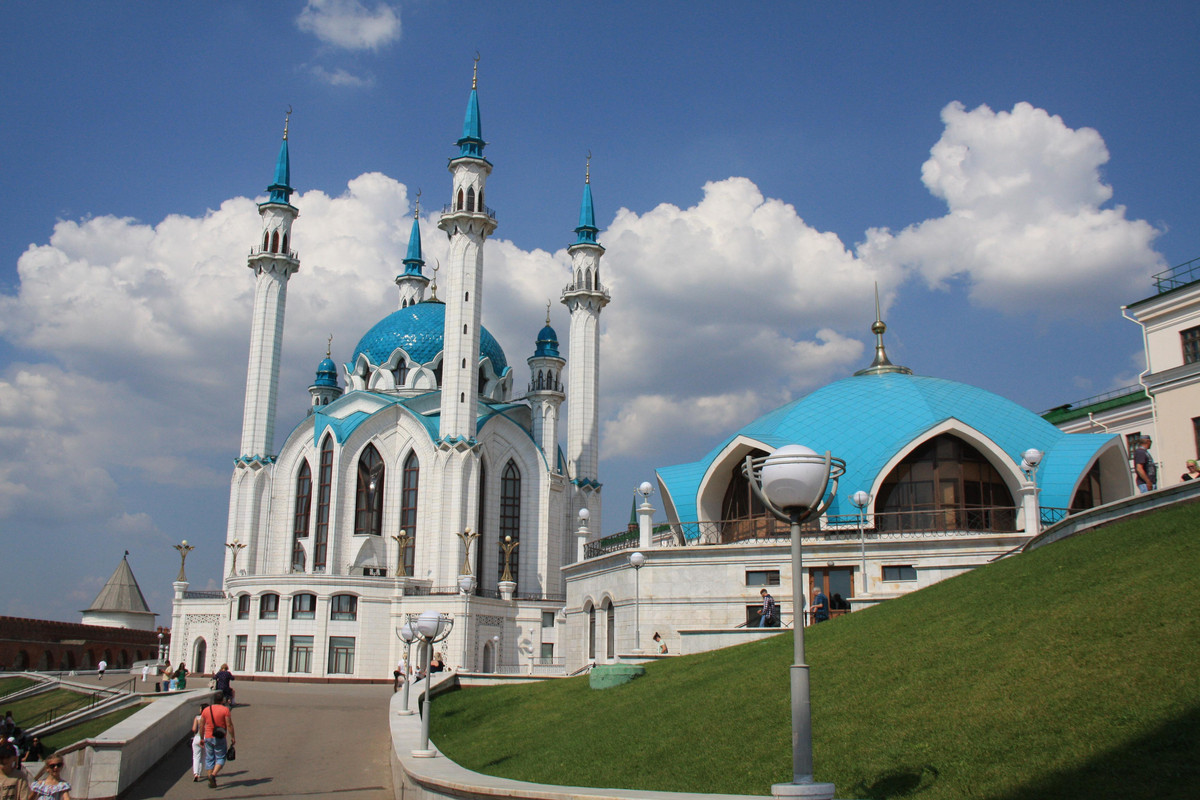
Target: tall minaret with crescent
(585, 297)
(467, 222)
(273, 263)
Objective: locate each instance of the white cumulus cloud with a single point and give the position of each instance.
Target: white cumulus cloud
(350, 24)
(1026, 226)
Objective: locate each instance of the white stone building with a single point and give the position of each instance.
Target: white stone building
(424, 485)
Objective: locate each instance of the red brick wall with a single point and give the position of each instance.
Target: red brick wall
(39, 644)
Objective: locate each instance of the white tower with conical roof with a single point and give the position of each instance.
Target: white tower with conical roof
(585, 297)
(468, 222)
(412, 282)
(545, 393)
(273, 263)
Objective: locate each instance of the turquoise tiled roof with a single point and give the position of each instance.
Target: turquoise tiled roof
(419, 329)
(866, 420)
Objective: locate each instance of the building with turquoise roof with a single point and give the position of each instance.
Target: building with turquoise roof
(418, 480)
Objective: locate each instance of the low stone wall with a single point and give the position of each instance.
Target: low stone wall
(104, 767)
(1115, 511)
(701, 641)
(439, 778)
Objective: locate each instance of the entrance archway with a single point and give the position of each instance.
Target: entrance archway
(201, 655)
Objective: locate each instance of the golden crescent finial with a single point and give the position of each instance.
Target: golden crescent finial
(329, 346)
(475, 71)
(437, 264)
(286, 118)
(547, 312)
(587, 170)
(417, 210)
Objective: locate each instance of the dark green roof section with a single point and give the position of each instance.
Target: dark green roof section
(1094, 405)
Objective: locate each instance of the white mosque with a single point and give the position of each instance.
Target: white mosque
(423, 485)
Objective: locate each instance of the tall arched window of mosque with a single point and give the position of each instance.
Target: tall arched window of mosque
(471, 199)
(368, 503)
(301, 515)
(324, 489)
(510, 514)
(410, 483)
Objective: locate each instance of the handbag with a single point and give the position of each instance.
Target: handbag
(231, 755)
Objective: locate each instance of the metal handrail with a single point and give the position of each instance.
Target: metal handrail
(1180, 275)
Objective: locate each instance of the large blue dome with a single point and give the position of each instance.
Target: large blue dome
(419, 329)
(869, 419)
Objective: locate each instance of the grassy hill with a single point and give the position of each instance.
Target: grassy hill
(1069, 672)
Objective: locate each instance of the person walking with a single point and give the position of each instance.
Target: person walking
(399, 675)
(219, 736)
(103, 665)
(198, 744)
(820, 606)
(223, 678)
(181, 676)
(1145, 473)
(767, 613)
(14, 781)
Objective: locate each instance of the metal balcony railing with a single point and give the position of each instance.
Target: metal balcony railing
(1181, 275)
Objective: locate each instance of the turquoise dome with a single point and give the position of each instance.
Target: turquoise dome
(419, 330)
(547, 343)
(868, 419)
(326, 374)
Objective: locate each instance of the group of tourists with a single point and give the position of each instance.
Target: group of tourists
(15, 782)
(821, 608)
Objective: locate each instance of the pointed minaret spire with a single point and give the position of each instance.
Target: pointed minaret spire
(881, 364)
(281, 189)
(412, 281)
(471, 144)
(587, 229)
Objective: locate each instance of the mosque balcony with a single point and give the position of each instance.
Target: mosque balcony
(483, 211)
(1177, 277)
(292, 255)
(435, 591)
(943, 523)
(573, 289)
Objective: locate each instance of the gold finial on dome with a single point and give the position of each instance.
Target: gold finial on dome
(547, 312)
(881, 365)
(587, 169)
(417, 205)
(329, 347)
(437, 264)
(475, 72)
(286, 119)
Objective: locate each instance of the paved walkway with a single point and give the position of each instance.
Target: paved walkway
(293, 740)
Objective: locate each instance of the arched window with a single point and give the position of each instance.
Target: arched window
(275, 242)
(343, 607)
(471, 199)
(481, 208)
(410, 481)
(610, 619)
(300, 517)
(268, 606)
(324, 489)
(742, 514)
(460, 201)
(510, 515)
(591, 632)
(368, 505)
(304, 606)
(400, 373)
(283, 248)
(945, 484)
(266, 241)
(590, 283)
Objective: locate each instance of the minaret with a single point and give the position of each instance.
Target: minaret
(273, 264)
(412, 281)
(585, 296)
(325, 388)
(467, 222)
(546, 391)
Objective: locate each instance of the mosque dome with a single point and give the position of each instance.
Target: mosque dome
(873, 420)
(326, 374)
(419, 329)
(547, 343)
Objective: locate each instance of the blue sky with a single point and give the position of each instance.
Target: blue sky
(1010, 174)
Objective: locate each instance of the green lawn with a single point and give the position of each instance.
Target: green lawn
(88, 729)
(1069, 672)
(14, 684)
(32, 710)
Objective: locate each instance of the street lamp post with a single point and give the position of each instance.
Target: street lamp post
(408, 635)
(184, 548)
(637, 560)
(402, 539)
(235, 547)
(1031, 459)
(791, 484)
(861, 499)
(432, 628)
